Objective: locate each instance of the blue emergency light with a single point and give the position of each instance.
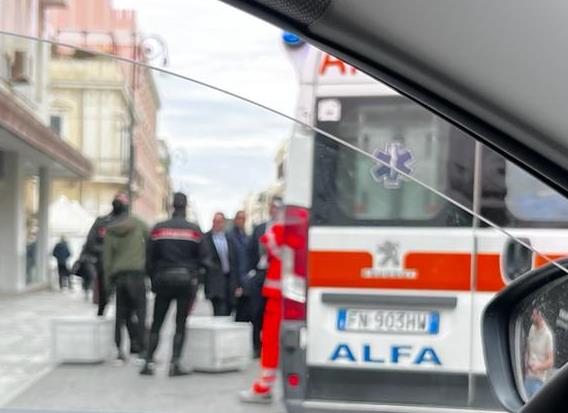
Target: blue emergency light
(292, 39)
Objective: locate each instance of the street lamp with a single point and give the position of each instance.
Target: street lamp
(152, 50)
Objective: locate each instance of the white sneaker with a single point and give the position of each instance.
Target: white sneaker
(250, 396)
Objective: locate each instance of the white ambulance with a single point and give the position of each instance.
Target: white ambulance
(382, 304)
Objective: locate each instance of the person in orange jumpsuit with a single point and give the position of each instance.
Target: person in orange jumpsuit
(261, 390)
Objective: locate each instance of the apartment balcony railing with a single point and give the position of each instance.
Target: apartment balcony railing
(111, 167)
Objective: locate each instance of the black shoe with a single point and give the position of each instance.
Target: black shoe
(256, 354)
(148, 369)
(177, 371)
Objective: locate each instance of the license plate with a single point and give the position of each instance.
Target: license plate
(389, 321)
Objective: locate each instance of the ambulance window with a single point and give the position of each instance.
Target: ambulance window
(528, 199)
(351, 188)
(511, 197)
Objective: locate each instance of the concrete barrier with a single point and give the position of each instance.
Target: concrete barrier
(81, 339)
(217, 344)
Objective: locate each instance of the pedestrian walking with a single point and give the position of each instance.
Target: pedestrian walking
(221, 279)
(257, 264)
(175, 255)
(261, 390)
(240, 241)
(124, 258)
(94, 246)
(62, 253)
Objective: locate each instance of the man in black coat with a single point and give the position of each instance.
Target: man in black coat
(257, 263)
(221, 281)
(94, 246)
(175, 255)
(239, 238)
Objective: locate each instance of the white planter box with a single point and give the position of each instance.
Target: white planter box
(216, 344)
(81, 339)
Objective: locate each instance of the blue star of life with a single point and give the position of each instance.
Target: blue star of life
(393, 160)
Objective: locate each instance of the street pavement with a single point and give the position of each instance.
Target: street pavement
(25, 338)
(30, 382)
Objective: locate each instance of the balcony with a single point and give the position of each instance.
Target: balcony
(110, 169)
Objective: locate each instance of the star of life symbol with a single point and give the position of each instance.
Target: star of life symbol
(388, 264)
(393, 160)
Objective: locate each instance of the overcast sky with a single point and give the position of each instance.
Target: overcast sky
(222, 148)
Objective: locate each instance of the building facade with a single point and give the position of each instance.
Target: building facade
(31, 155)
(256, 205)
(89, 109)
(98, 104)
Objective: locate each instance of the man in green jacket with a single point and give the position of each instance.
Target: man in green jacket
(124, 268)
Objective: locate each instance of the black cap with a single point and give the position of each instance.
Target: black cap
(180, 200)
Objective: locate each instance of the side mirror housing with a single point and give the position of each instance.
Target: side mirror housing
(525, 339)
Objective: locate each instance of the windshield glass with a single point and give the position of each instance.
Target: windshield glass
(190, 223)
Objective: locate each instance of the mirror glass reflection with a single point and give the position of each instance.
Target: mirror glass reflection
(540, 337)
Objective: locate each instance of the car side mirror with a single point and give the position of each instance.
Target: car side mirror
(525, 339)
(516, 259)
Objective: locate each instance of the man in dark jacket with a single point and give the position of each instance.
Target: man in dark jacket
(256, 273)
(94, 246)
(61, 253)
(124, 259)
(175, 255)
(221, 281)
(239, 239)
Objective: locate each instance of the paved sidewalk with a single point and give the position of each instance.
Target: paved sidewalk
(29, 382)
(24, 335)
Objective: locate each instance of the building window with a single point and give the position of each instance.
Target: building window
(124, 149)
(280, 172)
(56, 124)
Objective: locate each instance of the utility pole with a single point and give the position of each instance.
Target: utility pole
(131, 126)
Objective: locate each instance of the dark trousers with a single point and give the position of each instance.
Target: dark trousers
(242, 309)
(257, 317)
(131, 309)
(223, 306)
(63, 275)
(88, 274)
(184, 296)
(256, 306)
(230, 295)
(86, 283)
(101, 291)
(219, 306)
